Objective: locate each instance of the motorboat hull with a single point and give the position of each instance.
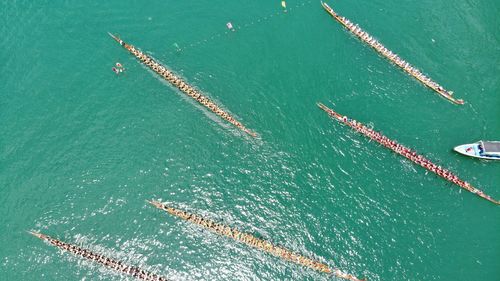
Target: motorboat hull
(473, 150)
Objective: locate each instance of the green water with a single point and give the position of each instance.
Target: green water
(82, 148)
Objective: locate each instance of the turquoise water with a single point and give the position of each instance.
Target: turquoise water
(82, 148)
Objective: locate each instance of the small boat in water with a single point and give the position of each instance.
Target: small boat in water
(481, 149)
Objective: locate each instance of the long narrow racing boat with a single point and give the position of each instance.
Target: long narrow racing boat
(405, 152)
(107, 262)
(381, 49)
(253, 241)
(182, 85)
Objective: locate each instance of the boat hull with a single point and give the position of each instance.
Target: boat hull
(472, 150)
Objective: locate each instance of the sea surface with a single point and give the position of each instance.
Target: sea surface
(82, 149)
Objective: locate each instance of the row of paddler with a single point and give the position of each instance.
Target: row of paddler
(215, 227)
(179, 83)
(407, 152)
(192, 92)
(411, 70)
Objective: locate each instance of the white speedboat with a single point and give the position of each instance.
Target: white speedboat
(481, 149)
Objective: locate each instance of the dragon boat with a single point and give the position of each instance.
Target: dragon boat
(101, 259)
(394, 58)
(181, 85)
(253, 241)
(406, 152)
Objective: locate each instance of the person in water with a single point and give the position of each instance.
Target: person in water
(118, 68)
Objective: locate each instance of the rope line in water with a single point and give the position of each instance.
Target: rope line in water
(241, 26)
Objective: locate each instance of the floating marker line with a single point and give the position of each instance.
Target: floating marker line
(237, 26)
(253, 241)
(381, 49)
(181, 85)
(108, 262)
(406, 152)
